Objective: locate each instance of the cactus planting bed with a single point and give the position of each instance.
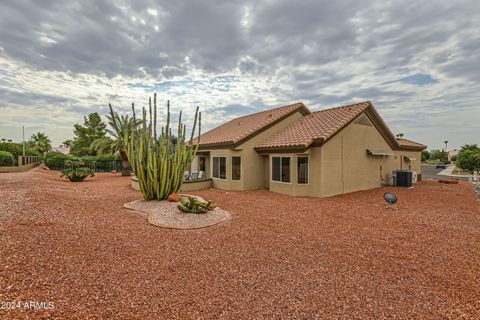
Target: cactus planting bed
(165, 214)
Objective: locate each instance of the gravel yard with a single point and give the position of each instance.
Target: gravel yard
(74, 244)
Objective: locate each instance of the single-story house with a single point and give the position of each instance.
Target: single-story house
(295, 151)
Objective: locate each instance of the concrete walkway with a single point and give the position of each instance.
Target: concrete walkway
(449, 172)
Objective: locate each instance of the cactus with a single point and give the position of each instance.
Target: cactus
(192, 205)
(159, 163)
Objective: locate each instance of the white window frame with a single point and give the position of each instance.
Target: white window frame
(241, 168)
(271, 169)
(226, 167)
(308, 170)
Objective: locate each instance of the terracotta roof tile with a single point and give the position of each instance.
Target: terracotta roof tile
(317, 125)
(405, 143)
(241, 128)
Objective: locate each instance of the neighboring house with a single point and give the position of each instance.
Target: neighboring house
(453, 153)
(64, 150)
(294, 151)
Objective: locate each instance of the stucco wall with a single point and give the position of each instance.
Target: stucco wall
(342, 164)
(196, 185)
(346, 166)
(253, 175)
(294, 188)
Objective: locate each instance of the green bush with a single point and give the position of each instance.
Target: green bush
(16, 149)
(425, 155)
(75, 171)
(6, 159)
(469, 159)
(56, 160)
(105, 163)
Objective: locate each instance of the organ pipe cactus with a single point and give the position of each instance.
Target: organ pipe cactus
(159, 163)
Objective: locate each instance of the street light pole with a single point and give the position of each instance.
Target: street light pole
(23, 127)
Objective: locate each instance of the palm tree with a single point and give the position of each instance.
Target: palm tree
(446, 142)
(120, 125)
(40, 142)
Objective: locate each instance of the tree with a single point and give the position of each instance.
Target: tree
(439, 155)
(40, 142)
(446, 142)
(120, 125)
(400, 135)
(469, 147)
(425, 155)
(67, 143)
(92, 129)
(469, 157)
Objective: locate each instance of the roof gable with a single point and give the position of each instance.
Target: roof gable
(243, 128)
(317, 126)
(320, 126)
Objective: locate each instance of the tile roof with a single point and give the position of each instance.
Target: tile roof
(320, 125)
(405, 143)
(243, 127)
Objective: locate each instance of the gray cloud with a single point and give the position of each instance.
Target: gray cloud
(417, 61)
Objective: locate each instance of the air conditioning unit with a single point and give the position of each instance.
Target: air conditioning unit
(403, 178)
(414, 177)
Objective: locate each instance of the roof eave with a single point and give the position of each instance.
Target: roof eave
(281, 149)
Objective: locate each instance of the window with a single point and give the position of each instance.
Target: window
(220, 167)
(236, 168)
(202, 164)
(302, 170)
(281, 169)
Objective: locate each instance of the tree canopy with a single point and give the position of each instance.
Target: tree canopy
(93, 128)
(40, 142)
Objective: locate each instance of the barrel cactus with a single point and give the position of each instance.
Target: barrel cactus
(159, 161)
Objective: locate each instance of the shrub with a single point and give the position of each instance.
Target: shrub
(469, 159)
(454, 158)
(16, 149)
(56, 160)
(6, 159)
(425, 155)
(75, 171)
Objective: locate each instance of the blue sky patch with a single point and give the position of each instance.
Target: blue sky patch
(418, 79)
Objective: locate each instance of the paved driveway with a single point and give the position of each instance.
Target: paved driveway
(430, 172)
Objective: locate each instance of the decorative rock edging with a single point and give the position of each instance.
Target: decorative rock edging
(165, 214)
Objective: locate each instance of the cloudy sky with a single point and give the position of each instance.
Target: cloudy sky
(417, 61)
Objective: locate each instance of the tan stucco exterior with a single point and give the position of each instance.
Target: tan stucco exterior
(340, 165)
(253, 165)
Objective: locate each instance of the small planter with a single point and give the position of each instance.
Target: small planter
(77, 178)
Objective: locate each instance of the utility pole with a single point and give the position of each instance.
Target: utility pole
(23, 140)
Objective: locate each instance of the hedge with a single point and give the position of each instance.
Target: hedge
(6, 159)
(104, 163)
(16, 149)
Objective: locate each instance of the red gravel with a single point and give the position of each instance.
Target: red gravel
(75, 245)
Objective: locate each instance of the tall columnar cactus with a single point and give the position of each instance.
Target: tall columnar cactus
(159, 163)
